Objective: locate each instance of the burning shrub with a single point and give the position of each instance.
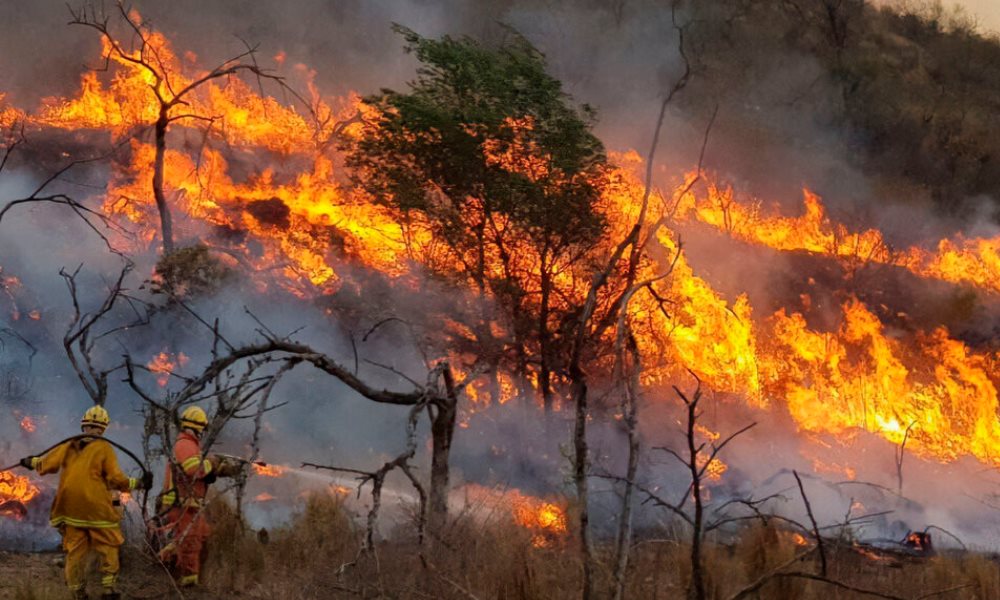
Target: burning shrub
(189, 271)
(15, 491)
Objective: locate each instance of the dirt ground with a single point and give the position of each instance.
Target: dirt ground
(39, 576)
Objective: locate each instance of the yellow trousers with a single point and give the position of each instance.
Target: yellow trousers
(78, 542)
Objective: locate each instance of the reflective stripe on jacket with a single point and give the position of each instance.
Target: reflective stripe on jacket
(88, 472)
(184, 481)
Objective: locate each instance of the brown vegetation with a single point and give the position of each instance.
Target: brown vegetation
(911, 86)
(315, 556)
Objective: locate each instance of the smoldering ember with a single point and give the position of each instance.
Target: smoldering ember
(521, 299)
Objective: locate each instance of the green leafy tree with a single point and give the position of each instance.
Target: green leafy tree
(491, 154)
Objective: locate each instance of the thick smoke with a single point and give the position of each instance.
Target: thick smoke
(620, 57)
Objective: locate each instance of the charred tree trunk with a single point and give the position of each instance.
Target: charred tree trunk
(442, 433)
(493, 383)
(581, 464)
(630, 406)
(545, 369)
(166, 223)
(696, 591)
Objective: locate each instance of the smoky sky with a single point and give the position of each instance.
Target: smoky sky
(618, 56)
(618, 61)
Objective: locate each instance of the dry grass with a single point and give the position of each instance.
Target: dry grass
(497, 560)
(316, 557)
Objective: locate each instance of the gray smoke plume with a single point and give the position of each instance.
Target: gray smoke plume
(770, 140)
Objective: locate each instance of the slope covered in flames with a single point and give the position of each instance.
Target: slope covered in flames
(261, 180)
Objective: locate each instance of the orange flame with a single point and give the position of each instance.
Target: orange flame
(269, 470)
(16, 488)
(340, 490)
(28, 424)
(296, 222)
(959, 260)
(164, 364)
(544, 520)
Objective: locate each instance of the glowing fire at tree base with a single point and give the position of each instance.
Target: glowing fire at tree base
(16, 492)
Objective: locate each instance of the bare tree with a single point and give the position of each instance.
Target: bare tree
(590, 326)
(697, 463)
(172, 94)
(82, 334)
(697, 458)
(245, 389)
(900, 454)
(630, 361)
(377, 479)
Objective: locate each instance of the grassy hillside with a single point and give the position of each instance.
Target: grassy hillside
(912, 89)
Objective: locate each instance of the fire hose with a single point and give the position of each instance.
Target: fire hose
(91, 437)
(240, 460)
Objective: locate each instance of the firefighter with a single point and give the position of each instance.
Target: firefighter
(82, 509)
(188, 476)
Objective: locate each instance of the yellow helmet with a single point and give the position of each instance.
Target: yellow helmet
(96, 416)
(194, 417)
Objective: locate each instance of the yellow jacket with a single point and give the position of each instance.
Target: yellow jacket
(89, 472)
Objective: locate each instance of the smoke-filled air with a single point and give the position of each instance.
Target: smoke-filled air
(519, 299)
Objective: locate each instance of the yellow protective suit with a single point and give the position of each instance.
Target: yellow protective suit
(82, 509)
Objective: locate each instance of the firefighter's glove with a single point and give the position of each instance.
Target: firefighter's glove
(147, 481)
(28, 462)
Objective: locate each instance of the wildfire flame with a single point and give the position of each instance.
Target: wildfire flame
(15, 492)
(28, 424)
(269, 470)
(164, 364)
(296, 222)
(959, 260)
(544, 520)
(340, 490)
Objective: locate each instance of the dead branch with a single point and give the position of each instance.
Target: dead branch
(377, 479)
(878, 487)
(234, 394)
(262, 406)
(779, 572)
(764, 579)
(815, 527)
(80, 337)
(900, 453)
(10, 146)
(147, 57)
(948, 533)
(852, 588)
(86, 214)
